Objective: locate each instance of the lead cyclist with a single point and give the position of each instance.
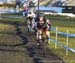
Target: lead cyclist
(43, 28)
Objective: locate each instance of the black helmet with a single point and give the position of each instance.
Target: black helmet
(39, 14)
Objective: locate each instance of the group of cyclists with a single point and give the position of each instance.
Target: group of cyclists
(39, 24)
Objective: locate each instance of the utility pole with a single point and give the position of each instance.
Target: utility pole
(38, 8)
(74, 8)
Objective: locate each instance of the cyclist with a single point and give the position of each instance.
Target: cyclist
(36, 21)
(31, 5)
(43, 26)
(25, 11)
(31, 19)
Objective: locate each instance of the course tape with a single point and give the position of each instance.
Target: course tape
(62, 33)
(58, 43)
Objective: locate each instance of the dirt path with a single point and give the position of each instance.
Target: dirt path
(29, 40)
(25, 51)
(11, 45)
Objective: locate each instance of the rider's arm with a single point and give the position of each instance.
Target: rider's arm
(48, 22)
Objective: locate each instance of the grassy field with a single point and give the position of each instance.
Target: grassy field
(63, 23)
(44, 2)
(10, 52)
(12, 18)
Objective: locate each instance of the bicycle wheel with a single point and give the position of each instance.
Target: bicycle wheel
(45, 42)
(28, 28)
(42, 47)
(25, 20)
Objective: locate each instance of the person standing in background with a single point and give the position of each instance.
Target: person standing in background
(31, 6)
(25, 10)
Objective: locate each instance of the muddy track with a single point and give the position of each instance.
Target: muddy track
(28, 40)
(29, 43)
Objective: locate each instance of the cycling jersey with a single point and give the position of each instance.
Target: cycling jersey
(25, 11)
(25, 8)
(30, 18)
(41, 25)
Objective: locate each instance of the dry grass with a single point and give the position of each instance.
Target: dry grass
(63, 25)
(10, 49)
(44, 2)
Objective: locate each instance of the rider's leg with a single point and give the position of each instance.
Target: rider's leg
(28, 25)
(35, 27)
(33, 24)
(26, 19)
(38, 36)
(48, 35)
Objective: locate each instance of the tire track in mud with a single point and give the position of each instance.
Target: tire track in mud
(49, 57)
(26, 41)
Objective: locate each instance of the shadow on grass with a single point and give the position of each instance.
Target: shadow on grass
(11, 50)
(11, 33)
(25, 41)
(8, 33)
(10, 22)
